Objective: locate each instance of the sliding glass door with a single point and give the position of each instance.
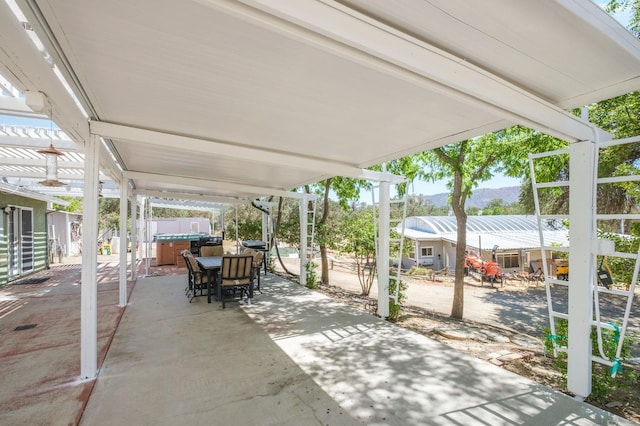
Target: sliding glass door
(20, 241)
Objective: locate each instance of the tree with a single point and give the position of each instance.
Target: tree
(249, 223)
(75, 204)
(620, 116)
(465, 164)
(328, 223)
(356, 238)
(348, 191)
(452, 161)
(494, 207)
(633, 6)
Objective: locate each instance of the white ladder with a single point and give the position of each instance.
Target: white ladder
(603, 248)
(311, 227)
(396, 239)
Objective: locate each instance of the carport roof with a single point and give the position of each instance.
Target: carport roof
(508, 232)
(239, 99)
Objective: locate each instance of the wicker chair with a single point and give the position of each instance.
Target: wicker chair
(236, 275)
(197, 277)
(206, 251)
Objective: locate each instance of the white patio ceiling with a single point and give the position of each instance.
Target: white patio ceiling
(255, 97)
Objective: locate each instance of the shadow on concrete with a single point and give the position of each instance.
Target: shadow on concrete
(383, 374)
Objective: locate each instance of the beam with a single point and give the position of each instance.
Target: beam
(35, 143)
(607, 25)
(331, 26)
(41, 175)
(40, 162)
(232, 151)
(17, 107)
(9, 88)
(27, 69)
(211, 184)
(29, 193)
(191, 196)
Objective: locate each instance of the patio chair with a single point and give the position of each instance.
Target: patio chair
(197, 277)
(216, 250)
(258, 258)
(184, 254)
(236, 275)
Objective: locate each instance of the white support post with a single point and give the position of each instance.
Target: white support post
(149, 239)
(123, 244)
(383, 249)
(303, 241)
(89, 288)
(141, 229)
(237, 241)
(222, 229)
(582, 263)
(134, 235)
(265, 227)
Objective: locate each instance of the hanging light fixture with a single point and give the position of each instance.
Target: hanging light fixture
(51, 155)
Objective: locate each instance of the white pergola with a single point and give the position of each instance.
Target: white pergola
(242, 99)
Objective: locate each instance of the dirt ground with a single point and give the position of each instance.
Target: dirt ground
(502, 325)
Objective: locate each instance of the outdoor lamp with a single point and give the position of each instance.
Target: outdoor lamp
(51, 155)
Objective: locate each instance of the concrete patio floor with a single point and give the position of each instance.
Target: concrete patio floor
(292, 357)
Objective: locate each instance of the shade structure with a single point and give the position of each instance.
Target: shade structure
(239, 99)
(247, 98)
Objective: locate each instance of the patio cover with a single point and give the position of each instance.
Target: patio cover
(240, 99)
(256, 97)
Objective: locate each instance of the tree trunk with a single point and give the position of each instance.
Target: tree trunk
(324, 275)
(457, 204)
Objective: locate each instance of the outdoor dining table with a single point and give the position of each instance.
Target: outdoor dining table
(212, 265)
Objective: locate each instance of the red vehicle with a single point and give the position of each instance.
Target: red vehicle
(491, 271)
(473, 262)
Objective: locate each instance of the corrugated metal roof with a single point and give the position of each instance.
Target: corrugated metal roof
(507, 232)
(505, 223)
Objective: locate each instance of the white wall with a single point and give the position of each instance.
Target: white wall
(180, 225)
(62, 231)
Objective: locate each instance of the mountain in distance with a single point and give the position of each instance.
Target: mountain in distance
(479, 197)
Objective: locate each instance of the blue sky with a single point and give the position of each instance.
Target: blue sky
(428, 188)
(623, 17)
(23, 121)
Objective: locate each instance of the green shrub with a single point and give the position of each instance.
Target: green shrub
(603, 385)
(419, 270)
(312, 277)
(271, 264)
(396, 306)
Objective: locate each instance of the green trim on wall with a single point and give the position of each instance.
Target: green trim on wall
(39, 233)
